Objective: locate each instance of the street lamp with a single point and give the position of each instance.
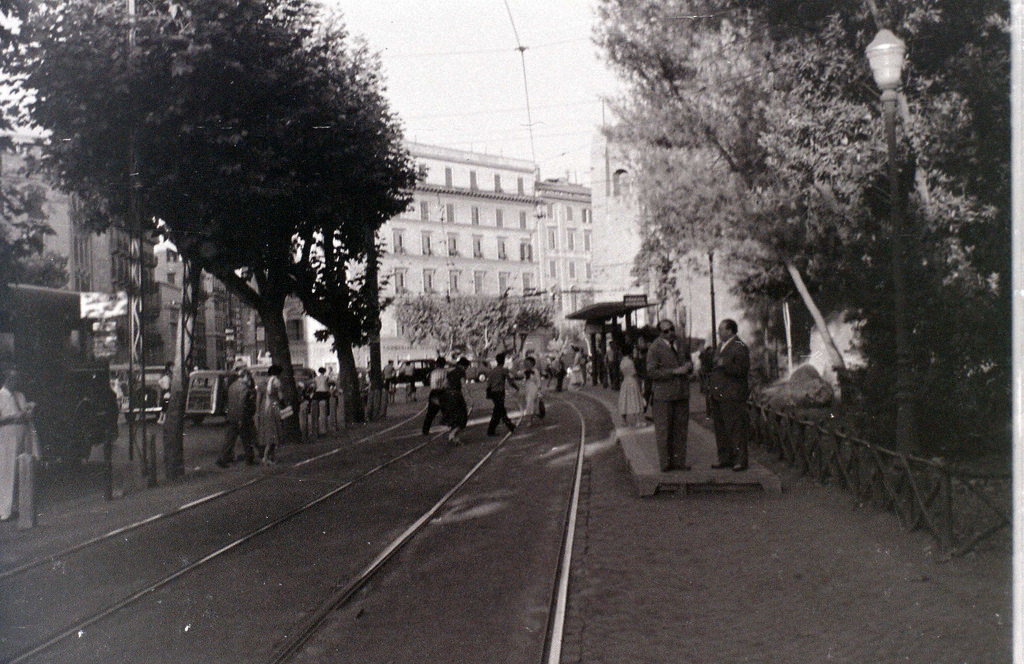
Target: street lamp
(885, 53)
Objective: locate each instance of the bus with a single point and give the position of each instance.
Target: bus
(43, 335)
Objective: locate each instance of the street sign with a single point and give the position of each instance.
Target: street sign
(635, 300)
(99, 306)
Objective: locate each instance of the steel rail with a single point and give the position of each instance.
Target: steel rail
(75, 548)
(63, 633)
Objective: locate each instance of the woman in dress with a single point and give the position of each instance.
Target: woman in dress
(271, 431)
(532, 383)
(16, 437)
(631, 402)
(456, 412)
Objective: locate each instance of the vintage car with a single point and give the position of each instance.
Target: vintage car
(207, 394)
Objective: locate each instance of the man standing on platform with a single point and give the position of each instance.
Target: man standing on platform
(669, 369)
(728, 385)
(240, 412)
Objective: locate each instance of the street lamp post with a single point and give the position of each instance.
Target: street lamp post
(885, 53)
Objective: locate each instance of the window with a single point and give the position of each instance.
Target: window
(553, 269)
(526, 251)
(428, 281)
(620, 183)
(449, 213)
(589, 271)
(398, 242)
(497, 182)
(478, 282)
(472, 180)
(447, 176)
(527, 282)
(453, 281)
(586, 215)
(572, 269)
(499, 218)
(294, 329)
(502, 283)
(453, 244)
(478, 246)
(502, 253)
(522, 220)
(553, 239)
(570, 239)
(425, 242)
(172, 278)
(475, 214)
(586, 240)
(520, 186)
(424, 211)
(400, 281)
(568, 213)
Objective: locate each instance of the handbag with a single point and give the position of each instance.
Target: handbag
(287, 412)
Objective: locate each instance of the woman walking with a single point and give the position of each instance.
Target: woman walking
(271, 430)
(16, 437)
(532, 383)
(631, 401)
(457, 414)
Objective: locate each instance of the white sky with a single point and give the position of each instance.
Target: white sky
(454, 76)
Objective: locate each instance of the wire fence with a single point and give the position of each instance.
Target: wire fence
(959, 509)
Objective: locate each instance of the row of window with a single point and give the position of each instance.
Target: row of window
(570, 239)
(588, 271)
(456, 283)
(585, 215)
(474, 181)
(447, 214)
(451, 246)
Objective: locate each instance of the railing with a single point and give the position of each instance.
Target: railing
(959, 509)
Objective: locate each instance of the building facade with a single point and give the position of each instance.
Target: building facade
(471, 229)
(565, 242)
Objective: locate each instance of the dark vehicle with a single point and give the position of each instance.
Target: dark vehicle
(147, 395)
(420, 372)
(478, 370)
(303, 377)
(42, 334)
(207, 394)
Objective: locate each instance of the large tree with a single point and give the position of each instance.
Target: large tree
(782, 94)
(246, 122)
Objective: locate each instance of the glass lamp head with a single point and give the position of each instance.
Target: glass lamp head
(885, 53)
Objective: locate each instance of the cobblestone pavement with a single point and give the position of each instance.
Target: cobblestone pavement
(807, 576)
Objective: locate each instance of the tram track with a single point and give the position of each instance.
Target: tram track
(301, 634)
(79, 625)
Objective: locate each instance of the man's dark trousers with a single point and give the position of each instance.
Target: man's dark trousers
(435, 404)
(243, 429)
(671, 419)
(732, 430)
(498, 414)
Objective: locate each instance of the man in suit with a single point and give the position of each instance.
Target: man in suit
(728, 385)
(668, 369)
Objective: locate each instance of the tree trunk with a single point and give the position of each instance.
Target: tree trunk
(819, 320)
(174, 425)
(271, 314)
(714, 316)
(348, 380)
(377, 406)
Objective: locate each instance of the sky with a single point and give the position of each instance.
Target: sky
(455, 77)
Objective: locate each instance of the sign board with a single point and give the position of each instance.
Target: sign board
(100, 306)
(635, 300)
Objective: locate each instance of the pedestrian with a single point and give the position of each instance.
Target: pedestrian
(389, 380)
(728, 382)
(271, 431)
(17, 436)
(321, 403)
(496, 380)
(241, 410)
(164, 385)
(532, 384)
(455, 401)
(669, 368)
(559, 373)
(435, 399)
(631, 402)
(407, 373)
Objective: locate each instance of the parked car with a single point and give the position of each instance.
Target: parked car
(207, 394)
(420, 372)
(303, 377)
(478, 370)
(147, 396)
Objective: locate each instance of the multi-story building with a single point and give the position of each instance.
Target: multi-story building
(471, 230)
(565, 244)
(95, 262)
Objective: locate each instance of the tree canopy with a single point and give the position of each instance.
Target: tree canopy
(777, 100)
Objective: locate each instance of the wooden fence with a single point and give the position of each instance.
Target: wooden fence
(959, 509)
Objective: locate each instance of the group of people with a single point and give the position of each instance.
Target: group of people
(253, 418)
(666, 368)
(446, 397)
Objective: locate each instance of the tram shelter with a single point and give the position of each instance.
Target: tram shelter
(608, 320)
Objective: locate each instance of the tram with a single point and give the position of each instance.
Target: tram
(43, 335)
